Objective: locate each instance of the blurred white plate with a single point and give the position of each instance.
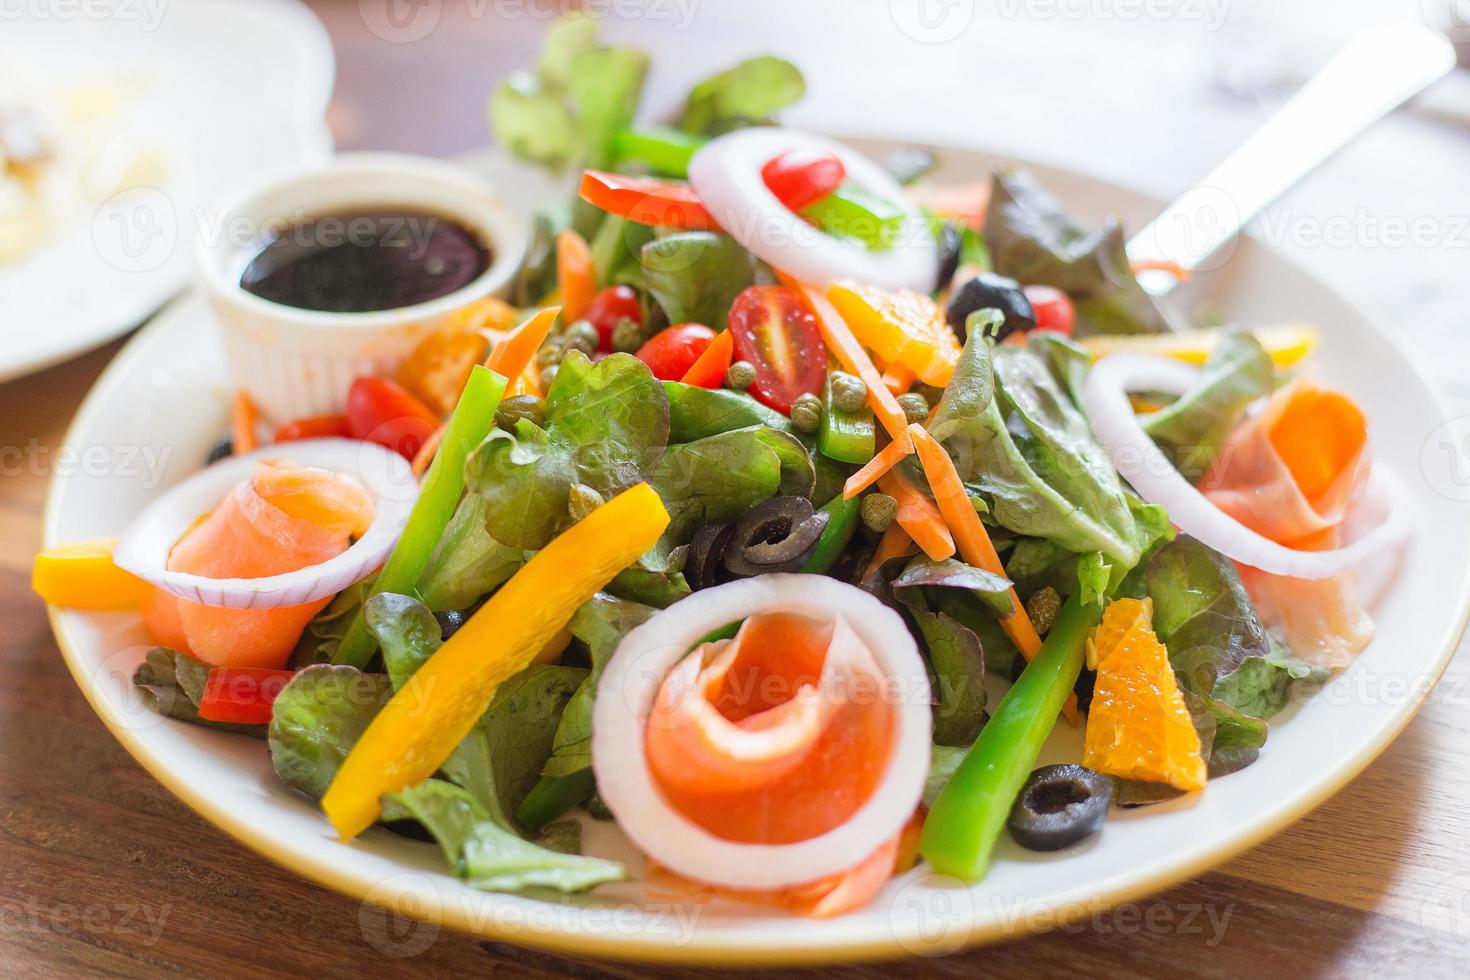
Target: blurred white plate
(163, 403)
(224, 91)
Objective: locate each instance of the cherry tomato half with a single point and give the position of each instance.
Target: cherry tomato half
(608, 307)
(671, 352)
(316, 427)
(1052, 307)
(802, 177)
(382, 411)
(775, 330)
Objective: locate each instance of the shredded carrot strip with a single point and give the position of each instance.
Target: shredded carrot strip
(845, 347)
(244, 417)
(715, 359)
(898, 379)
(894, 543)
(918, 516)
(887, 458)
(427, 451)
(512, 355)
(574, 273)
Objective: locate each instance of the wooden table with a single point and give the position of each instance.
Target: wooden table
(102, 872)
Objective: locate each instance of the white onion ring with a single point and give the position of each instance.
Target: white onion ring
(726, 174)
(625, 697)
(144, 547)
(1149, 471)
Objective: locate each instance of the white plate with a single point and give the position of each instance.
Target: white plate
(163, 401)
(224, 91)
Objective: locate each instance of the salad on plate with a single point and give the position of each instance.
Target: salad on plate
(777, 515)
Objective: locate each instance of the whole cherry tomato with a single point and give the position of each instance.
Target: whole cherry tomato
(1052, 307)
(382, 411)
(608, 307)
(671, 352)
(776, 331)
(316, 427)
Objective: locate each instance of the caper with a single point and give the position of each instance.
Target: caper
(627, 336)
(518, 407)
(740, 376)
(583, 500)
(547, 378)
(878, 511)
(806, 414)
(582, 336)
(915, 406)
(550, 353)
(1042, 608)
(849, 394)
(930, 393)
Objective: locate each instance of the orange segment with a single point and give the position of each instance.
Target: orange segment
(1138, 726)
(904, 328)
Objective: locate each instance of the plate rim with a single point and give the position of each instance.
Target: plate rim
(632, 947)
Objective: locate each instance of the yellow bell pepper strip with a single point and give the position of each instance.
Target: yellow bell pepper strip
(81, 575)
(471, 422)
(900, 326)
(1287, 343)
(511, 356)
(966, 820)
(845, 347)
(431, 714)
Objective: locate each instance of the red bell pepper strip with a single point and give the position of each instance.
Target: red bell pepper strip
(315, 427)
(646, 200)
(242, 695)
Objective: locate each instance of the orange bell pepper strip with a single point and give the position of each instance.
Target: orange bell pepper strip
(575, 276)
(708, 370)
(81, 575)
(432, 712)
(850, 353)
(244, 417)
(886, 459)
(918, 516)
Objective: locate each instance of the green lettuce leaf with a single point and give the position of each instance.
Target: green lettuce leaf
(467, 563)
(1033, 240)
(696, 275)
(1216, 642)
(606, 426)
(943, 761)
(748, 94)
(492, 858)
(1192, 429)
(713, 479)
(316, 720)
(1028, 453)
(991, 589)
(601, 625)
(657, 589)
(695, 413)
(319, 641)
(406, 630)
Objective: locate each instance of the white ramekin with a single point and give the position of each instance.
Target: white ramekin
(298, 363)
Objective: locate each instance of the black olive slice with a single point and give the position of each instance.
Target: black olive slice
(703, 566)
(1059, 806)
(778, 535)
(991, 291)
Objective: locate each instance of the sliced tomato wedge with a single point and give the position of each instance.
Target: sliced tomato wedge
(671, 352)
(646, 200)
(801, 177)
(315, 427)
(776, 331)
(381, 411)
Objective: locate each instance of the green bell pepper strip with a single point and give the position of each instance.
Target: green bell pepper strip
(842, 521)
(848, 437)
(552, 797)
(471, 422)
(849, 212)
(966, 820)
(664, 151)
